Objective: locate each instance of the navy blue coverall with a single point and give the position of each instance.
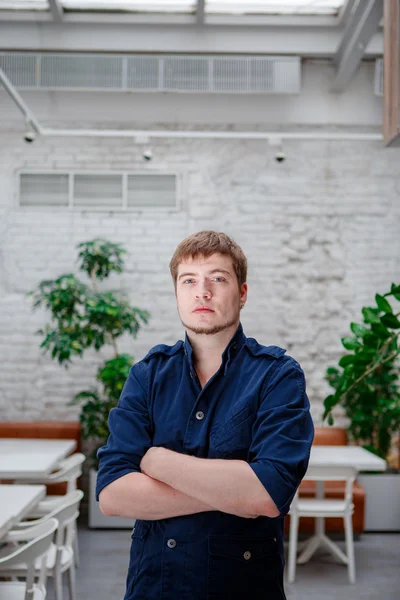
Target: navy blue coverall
(255, 408)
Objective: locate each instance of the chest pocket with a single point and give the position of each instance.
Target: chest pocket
(233, 438)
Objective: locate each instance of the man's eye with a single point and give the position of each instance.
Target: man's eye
(188, 280)
(220, 279)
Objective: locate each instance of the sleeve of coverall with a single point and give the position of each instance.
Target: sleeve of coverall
(282, 434)
(130, 432)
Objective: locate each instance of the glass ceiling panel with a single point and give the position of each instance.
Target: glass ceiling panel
(263, 7)
(180, 6)
(24, 4)
(272, 7)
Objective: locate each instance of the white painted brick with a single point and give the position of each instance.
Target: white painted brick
(320, 232)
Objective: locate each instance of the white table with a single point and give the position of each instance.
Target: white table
(346, 456)
(335, 456)
(31, 458)
(17, 501)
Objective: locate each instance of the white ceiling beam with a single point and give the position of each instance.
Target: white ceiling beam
(174, 19)
(346, 11)
(271, 136)
(355, 21)
(14, 94)
(200, 11)
(56, 10)
(299, 41)
(361, 27)
(222, 135)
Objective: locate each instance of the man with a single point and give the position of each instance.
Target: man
(208, 444)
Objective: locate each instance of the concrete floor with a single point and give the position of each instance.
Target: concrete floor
(104, 564)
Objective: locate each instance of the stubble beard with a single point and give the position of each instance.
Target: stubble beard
(210, 329)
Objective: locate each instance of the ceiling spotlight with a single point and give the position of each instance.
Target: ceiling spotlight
(29, 135)
(148, 154)
(280, 156)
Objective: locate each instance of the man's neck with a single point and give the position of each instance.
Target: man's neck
(208, 349)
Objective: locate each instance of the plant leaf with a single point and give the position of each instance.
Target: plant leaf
(358, 330)
(389, 320)
(371, 315)
(351, 343)
(371, 340)
(383, 304)
(347, 360)
(395, 291)
(380, 330)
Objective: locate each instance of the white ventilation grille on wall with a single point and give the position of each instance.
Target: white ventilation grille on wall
(378, 80)
(42, 189)
(145, 190)
(95, 191)
(154, 73)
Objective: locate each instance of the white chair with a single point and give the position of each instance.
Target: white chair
(32, 553)
(69, 470)
(321, 508)
(60, 558)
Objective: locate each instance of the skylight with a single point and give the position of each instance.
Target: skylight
(24, 5)
(160, 6)
(225, 7)
(272, 7)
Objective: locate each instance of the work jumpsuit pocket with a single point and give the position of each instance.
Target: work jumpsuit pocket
(233, 439)
(244, 567)
(138, 540)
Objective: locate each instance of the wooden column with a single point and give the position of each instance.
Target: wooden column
(391, 73)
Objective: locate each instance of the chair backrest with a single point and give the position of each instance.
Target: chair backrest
(346, 474)
(69, 470)
(38, 542)
(65, 514)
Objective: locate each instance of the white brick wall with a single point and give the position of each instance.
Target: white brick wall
(321, 233)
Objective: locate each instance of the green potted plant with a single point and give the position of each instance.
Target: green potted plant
(366, 385)
(83, 317)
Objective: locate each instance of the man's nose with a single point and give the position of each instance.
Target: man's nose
(203, 290)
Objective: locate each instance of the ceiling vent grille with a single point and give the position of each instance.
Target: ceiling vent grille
(154, 73)
(95, 191)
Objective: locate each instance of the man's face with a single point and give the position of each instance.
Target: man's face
(208, 295)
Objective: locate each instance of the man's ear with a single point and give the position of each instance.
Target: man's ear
(243, 293)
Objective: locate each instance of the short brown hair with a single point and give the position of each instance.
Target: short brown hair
(205, 243)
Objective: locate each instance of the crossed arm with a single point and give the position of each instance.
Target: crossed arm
(172, 484)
